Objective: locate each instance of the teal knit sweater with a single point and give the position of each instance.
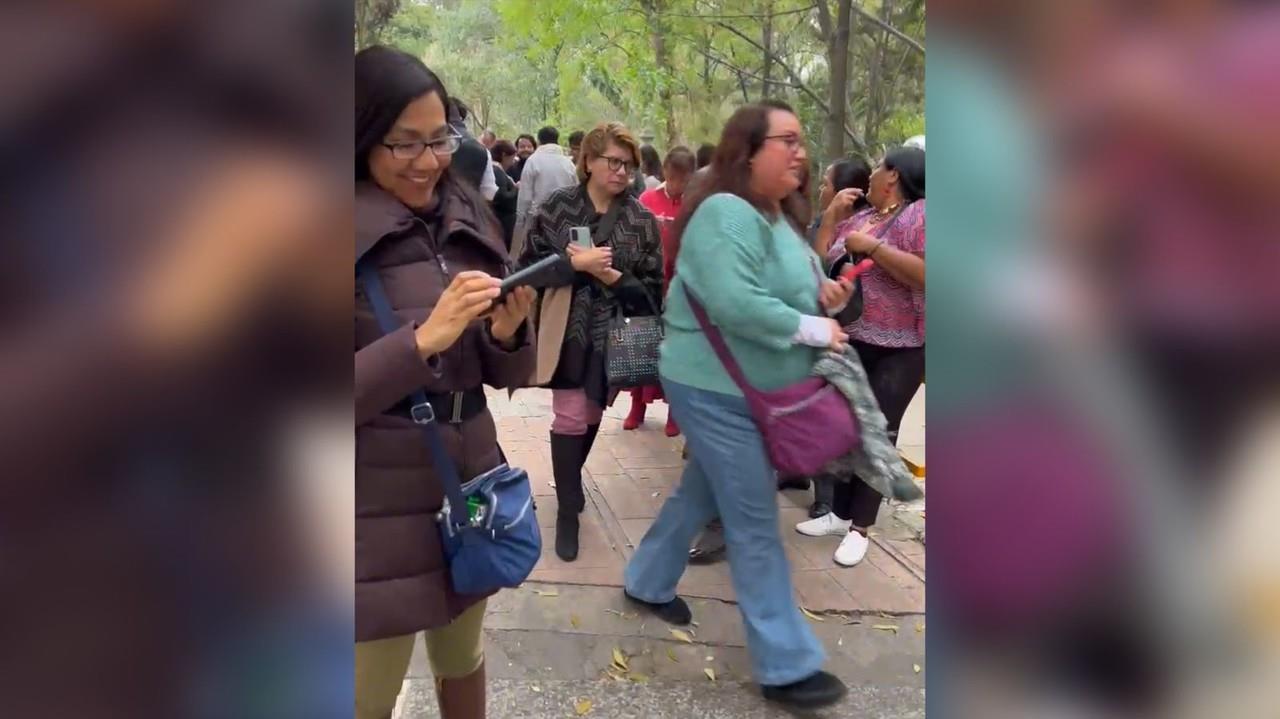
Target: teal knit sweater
(755, 279)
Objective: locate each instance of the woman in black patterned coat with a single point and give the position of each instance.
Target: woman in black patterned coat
(621, 270)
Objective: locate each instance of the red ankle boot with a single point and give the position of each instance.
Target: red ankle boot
(636, 417)
(672, 430)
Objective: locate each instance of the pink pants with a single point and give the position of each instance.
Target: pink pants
(573, 412)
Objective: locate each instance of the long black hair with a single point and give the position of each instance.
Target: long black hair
(386, 81)
(909, 162)
(851, 173)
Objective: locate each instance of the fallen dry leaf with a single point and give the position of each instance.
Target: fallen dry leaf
(886, 627)
(620, 660)
(916, 667)
(624, 615)
(583, 707)
(573, 619)
(682, 636)
(919, 627)
(811, 615)
(840, 642)
(710, 658)
(711, 673)
(638, 678)
(552, 593)
(672, 656)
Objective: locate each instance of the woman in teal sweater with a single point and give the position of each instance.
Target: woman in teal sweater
(741, 252)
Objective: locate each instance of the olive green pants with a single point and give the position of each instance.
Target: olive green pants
(454, 651)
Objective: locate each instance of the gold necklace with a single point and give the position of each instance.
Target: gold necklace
(881, 214)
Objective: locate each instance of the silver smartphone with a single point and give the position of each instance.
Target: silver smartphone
(580, 236)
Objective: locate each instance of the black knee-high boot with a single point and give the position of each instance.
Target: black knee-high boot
(567, 458)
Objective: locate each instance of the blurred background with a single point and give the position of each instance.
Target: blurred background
(175, 525)
(1104, 322)
(175, 534)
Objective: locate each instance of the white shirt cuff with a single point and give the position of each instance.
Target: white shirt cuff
(814, 331)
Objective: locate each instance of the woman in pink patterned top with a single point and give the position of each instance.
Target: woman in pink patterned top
(889, 334)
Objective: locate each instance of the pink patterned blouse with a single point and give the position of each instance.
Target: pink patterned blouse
(893, 313)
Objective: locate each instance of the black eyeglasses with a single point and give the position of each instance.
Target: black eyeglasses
(615, 164)
(793, 142)
(442, 147)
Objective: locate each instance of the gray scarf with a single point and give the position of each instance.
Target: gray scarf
(876, 461)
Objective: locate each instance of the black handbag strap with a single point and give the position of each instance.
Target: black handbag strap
(421, 410)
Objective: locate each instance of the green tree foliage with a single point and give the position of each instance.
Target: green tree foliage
(674, 70)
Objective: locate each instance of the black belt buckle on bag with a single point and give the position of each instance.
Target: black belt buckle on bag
(447, 407)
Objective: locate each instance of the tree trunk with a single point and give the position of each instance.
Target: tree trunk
(767, 73)
(654, 10)
(362, 12)
(876, 95)
(838, 62)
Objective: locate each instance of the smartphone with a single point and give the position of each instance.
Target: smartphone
(535, 275)
(581, 236)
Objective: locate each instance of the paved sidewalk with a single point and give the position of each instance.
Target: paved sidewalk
(630, 474)
(549, 649)
(550, 643)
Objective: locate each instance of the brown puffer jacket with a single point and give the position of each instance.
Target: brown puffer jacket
(402, 584)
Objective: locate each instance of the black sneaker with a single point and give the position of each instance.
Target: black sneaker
(818, 690)
(673, 612)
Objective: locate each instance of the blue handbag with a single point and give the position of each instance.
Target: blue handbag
(488, 526)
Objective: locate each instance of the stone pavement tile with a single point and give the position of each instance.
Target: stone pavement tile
(911, 589)
(557, 572)
(668, 699)
(650, 459)
(800, 555)
(627, 501)
(635, 444)
(601, 461)
(658, 478)
(913, 550)
(635, 529)
(546, 510)
(819, 591)
(817, 550)
(875, 591)
(594, 551)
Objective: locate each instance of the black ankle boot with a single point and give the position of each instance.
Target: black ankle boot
(567, 536)
(813, 692)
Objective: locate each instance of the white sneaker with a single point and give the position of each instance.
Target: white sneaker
(827, 525)
(852, 549)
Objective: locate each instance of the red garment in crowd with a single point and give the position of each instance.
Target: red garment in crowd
(666, 209)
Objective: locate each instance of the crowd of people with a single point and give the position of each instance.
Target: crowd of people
(725, 234)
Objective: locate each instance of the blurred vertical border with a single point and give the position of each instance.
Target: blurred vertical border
(1104, 327)
(175, 505)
